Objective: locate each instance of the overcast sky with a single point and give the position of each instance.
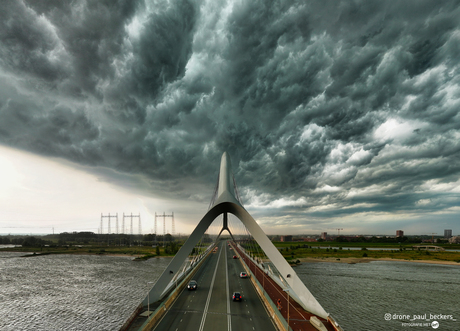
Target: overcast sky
(335, 114)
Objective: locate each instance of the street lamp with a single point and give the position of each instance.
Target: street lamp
(148, 299)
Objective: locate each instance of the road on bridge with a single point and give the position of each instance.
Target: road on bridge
(210, 307)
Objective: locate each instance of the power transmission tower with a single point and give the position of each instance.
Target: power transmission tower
(164, 225)
(108, 225)
(131, 229)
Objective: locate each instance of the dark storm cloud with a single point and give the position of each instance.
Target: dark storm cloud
(352, 105)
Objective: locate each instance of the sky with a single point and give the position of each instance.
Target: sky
(336, 115)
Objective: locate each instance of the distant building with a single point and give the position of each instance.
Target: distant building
(286, 238)
(323, 235)
(399, 233)
(448, 233)
(454, 240)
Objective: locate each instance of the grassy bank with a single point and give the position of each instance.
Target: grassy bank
(360, 244)
(292, 254)
(143, 252)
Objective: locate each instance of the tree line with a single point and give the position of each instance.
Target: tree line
(86, 237)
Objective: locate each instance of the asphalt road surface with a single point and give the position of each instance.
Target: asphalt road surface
(211, 307)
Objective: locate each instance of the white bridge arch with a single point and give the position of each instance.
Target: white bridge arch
(227, 202)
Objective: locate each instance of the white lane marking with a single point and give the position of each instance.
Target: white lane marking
(229, 318)
(205, 311)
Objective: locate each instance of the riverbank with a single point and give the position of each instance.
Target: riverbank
(136, 252)
(353, 260)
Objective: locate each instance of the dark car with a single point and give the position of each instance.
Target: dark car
(235, 257)
(237, 296)
(193, 285)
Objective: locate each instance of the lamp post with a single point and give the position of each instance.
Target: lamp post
(148, 299)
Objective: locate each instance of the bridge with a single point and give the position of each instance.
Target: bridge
(272, 295)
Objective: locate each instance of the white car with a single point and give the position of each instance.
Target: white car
(243, 275)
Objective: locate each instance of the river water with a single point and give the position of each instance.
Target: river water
(88, 292)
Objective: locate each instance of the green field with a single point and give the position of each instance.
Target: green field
(294, 251)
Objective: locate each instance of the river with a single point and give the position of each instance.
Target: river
(89, 292)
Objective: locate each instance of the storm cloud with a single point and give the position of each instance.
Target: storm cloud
(327, 108)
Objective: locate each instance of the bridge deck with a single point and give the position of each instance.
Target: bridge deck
(210, 307)
(299, 318)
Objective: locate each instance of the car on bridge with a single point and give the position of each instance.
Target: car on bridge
(243, 275)
(235, 257)
(237, 296)
(192, 285)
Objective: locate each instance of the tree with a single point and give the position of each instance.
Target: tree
(31, 242)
